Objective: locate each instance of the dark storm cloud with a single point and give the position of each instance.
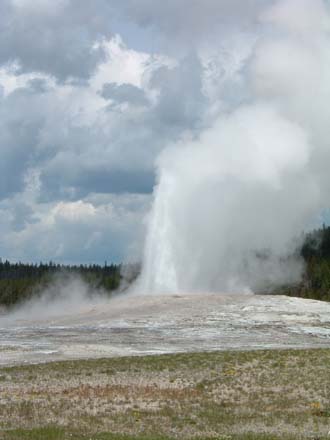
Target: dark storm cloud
(75, 158)
(19, 126)
(55, 37)
(124, 93)
(22, 215)
(78, 185)
(60, 37)
(192, 20)
(117, 181)
(23, 115)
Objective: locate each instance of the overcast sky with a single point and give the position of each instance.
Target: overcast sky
(91, 91)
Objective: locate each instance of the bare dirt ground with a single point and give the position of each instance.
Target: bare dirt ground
(140, 325)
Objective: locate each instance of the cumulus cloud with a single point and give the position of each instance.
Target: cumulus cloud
(63, 142)
(84, 117)
(95, 229)
(80, 144)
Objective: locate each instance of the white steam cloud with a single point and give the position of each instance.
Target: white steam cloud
(230, 202)
(67, 294)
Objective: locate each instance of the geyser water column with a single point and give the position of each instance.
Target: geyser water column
(159, 271)
(215, 223)
(231, 200)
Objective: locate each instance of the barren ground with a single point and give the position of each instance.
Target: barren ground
(163, 324)
(232, 389)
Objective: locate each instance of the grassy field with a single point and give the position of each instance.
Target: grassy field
(261, 395)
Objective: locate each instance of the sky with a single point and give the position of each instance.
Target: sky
(91, 93)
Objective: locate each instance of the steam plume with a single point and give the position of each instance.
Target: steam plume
(230, 201)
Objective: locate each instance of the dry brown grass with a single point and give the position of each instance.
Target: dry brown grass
(181, 396)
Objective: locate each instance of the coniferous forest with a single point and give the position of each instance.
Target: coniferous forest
(20, 281)
(315, 283)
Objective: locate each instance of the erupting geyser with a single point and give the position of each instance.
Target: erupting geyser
(231, 201)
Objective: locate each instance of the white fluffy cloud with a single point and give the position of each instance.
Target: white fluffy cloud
(99, 137)
(99, 228)
(84, 117)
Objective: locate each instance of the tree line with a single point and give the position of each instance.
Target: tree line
(315, 282)
(20, 281)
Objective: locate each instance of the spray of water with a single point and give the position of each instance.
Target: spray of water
(230, 201)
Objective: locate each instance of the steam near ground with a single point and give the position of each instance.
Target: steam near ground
(66, 295)
(231, 201)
